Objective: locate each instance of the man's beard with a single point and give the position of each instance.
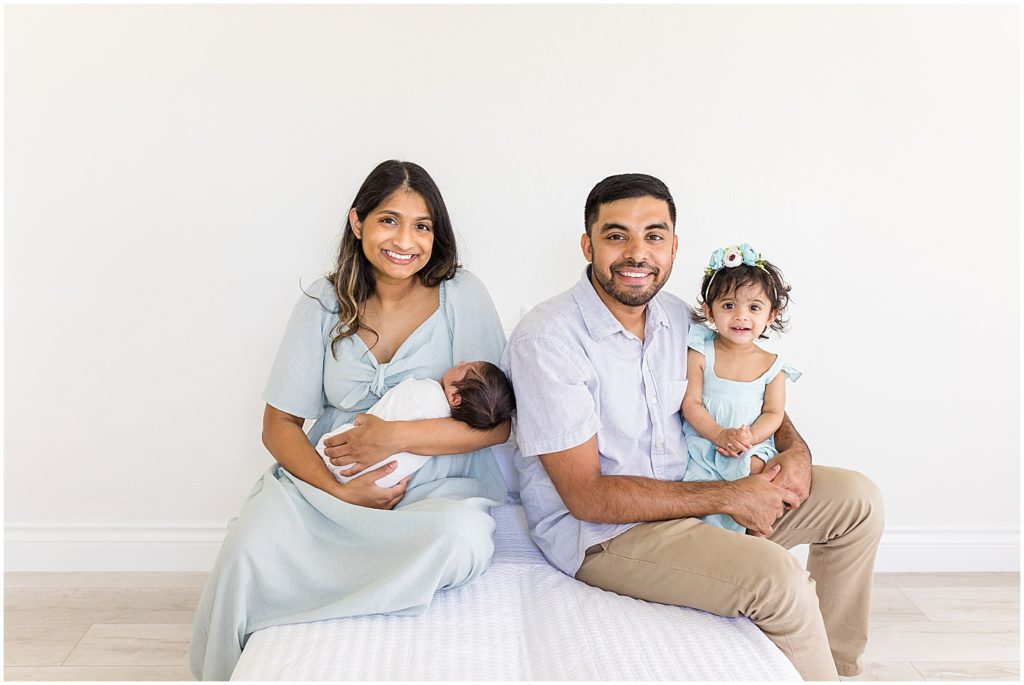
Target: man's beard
(632, 297)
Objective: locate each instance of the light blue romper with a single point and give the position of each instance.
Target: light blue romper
(731, 404)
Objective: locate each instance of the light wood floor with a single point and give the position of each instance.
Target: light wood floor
(136, 626)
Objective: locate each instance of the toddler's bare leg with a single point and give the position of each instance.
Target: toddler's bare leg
(756, 465)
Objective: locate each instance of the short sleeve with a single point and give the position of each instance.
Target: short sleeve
(475, 327)
(296, 384)
(697, 337)
(555, 409)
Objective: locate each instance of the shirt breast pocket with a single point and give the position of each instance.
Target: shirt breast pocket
(674, 395)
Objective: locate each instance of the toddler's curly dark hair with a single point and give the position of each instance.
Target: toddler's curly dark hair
(487, 397)
(728, 280)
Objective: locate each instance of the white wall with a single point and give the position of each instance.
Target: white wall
(173, 172)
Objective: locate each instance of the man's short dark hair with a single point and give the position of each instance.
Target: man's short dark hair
(622, 187)
(487, 397)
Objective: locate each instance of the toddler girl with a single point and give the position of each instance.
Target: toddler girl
(735, 394)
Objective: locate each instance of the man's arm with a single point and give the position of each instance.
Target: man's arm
(795, 459)
(755, 502)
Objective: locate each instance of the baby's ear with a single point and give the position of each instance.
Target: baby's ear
(456, 400)
(707, 311)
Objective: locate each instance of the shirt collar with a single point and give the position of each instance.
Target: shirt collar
(599, 320)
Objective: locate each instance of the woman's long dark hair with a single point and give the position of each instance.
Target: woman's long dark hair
(353, 278)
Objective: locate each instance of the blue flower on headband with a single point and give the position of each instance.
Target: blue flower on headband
(750, 255)
(734, 255)
(716, 262)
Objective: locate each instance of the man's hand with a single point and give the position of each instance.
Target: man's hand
(795, 475)
(759, 502)
(369, 442)
(732, 442)
(795, 459)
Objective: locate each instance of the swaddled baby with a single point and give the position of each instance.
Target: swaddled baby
(476, 393)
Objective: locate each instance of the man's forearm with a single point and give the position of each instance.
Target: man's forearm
(631, 499)
(795, 458)
(787, 439)
(755, 502)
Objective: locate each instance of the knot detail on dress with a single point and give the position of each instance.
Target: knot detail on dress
(368, 382)
(378, 386)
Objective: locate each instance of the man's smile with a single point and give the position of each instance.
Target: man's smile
(632, 275)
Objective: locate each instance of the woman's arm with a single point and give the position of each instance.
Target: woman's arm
(373, 439)
(433, 437)
(287, 443)
(697, 415)
(772, 410)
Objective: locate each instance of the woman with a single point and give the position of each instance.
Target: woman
(306, 547)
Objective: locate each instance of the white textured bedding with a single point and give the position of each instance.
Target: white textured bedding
(521, 620)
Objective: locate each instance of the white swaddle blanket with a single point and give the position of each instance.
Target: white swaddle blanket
(410, 400)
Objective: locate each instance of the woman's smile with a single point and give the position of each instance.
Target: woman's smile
(398, 257)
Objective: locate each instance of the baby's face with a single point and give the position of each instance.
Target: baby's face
(452, 376)
(741, 315)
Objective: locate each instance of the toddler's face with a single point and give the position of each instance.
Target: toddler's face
(741, 315)
(452, 376)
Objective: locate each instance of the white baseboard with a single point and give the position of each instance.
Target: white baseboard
(934, 549)
(156, 548)
(111, 548)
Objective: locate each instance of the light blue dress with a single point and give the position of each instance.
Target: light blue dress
(731, 404)
(297, 554)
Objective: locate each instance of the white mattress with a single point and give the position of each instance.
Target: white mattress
(520, 620)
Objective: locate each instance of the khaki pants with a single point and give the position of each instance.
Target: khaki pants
(818, 617)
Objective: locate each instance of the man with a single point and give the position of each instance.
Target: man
(599, 373)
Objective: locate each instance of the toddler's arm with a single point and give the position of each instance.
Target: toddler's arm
(694, 412)
(772, 410)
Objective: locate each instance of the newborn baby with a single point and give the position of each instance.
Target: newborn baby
(476, 393)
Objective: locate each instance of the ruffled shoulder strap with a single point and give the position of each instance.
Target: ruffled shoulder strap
(791, 373)
(699, 337)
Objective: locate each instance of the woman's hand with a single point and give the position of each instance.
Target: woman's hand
(370, 441)
(363, 490)
(732, 442)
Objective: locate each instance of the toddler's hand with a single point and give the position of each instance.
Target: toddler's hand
(732, 442)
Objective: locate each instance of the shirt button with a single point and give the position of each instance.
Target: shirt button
(654, 400)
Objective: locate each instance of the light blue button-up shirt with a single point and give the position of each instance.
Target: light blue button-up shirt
(576, 373)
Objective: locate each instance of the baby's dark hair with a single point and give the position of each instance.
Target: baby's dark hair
(487, 397)
(727, 280)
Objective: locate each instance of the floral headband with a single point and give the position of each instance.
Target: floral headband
(732, 256)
